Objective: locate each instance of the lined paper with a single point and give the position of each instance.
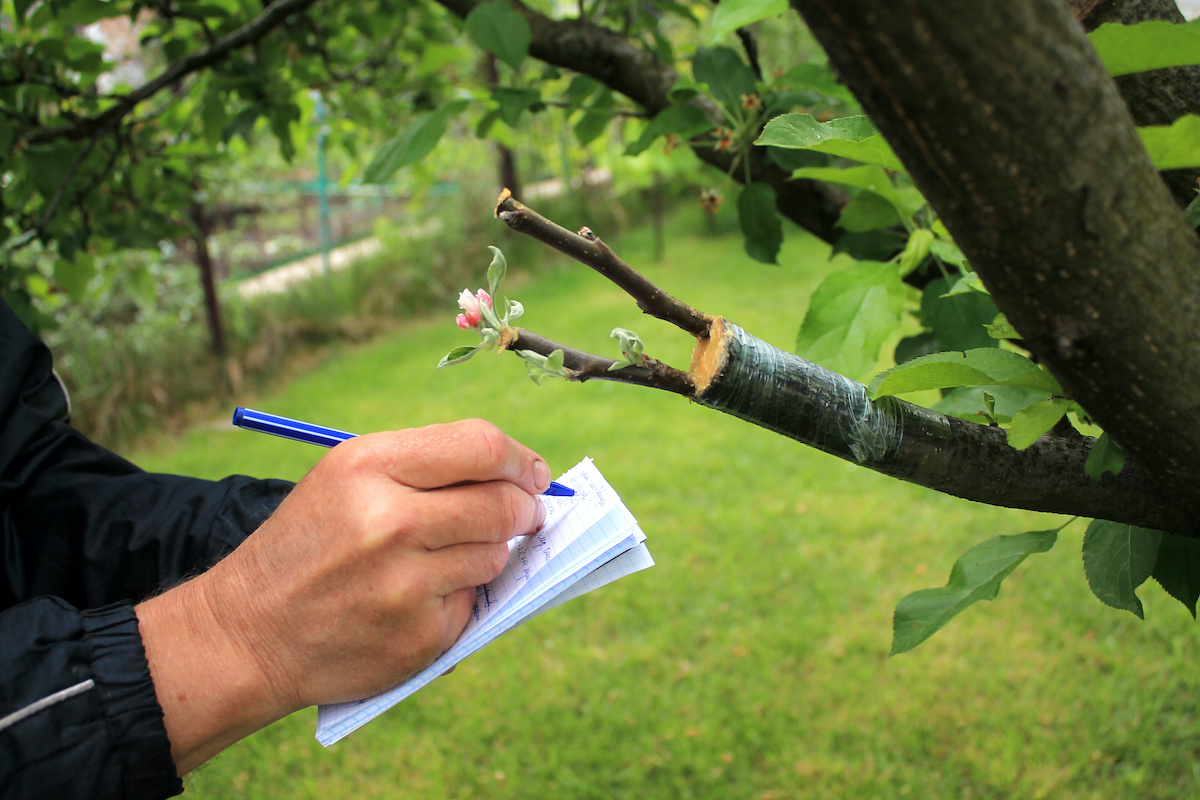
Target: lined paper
(589, 540)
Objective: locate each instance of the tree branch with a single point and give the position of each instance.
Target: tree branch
(1033, 163)
(1157, 97)
(271, 17)
(621, 65)
(587, 366)
(587, 248)
(734, 372)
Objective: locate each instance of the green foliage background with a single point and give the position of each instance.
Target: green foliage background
(751, 662)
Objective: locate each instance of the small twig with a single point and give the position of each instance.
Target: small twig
(586, 248)
(588, 366)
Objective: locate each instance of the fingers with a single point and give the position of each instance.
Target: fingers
(470, 451)
(464, 566)
(479, 512)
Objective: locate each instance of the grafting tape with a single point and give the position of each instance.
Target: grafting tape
(784, 393)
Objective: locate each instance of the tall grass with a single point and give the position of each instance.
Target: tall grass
(751, 662)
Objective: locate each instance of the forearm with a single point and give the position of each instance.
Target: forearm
(211, 691)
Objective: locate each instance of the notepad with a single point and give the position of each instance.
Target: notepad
(588, 540)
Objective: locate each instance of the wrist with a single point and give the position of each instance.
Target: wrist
(212, 691)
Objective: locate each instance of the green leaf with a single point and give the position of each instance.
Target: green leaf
(848, 137)
(727, 76)
(416, 142)
(868, 211)
(84, 12)
(501, 30)
(957, 320)
(818, 78)
(1117, 559)
(1000, 328)
(1147, 45)
(73, 275)
(541, 367)
(976, 576)
(1174, 146)
(948, 252)
(1193, 213)
(850, 316)
(457, 356)
(680, 119)
(760, 223)
(876, 245)
(1032, 421)
(631, 348)
(513, 102)
(496, 271)
(916, 249)
(984, 366)
(1106, 456)
(214, 117)
(734, 14)
(142, 287)
(1000, 402)
(593, 123)
(870, 177)
(1177, 569)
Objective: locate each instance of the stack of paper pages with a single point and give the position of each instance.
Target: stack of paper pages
(588, 540)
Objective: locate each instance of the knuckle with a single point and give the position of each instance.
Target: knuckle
(490, 442)
(509, 507)
(354, 455)
(498, 557)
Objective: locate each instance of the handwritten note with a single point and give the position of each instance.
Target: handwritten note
(588, 540)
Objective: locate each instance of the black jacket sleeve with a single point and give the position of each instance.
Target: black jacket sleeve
(84, 535)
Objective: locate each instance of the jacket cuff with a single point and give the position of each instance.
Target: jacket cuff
(129, 703)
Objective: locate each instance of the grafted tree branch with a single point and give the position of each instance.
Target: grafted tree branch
(587, 248)
(1035, 167)
(734, 372)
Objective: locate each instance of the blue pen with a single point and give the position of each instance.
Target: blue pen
(299, 431)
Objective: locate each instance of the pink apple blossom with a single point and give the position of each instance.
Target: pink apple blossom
(470, 304)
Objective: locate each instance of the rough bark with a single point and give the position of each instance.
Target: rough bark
(1010, 127)
(1157, 97)
(734, 372)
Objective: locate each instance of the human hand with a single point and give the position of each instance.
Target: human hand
(365, 573)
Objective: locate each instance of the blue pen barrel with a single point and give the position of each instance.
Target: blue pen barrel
(301, 431)
(293, 429)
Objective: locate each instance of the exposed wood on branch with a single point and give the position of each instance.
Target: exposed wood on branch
(733, 372)
(1011, 128)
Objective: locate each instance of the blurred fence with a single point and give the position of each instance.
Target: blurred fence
(274, 222)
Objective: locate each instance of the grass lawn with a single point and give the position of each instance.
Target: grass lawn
(751, 662)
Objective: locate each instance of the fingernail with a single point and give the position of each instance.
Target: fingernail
(541, 475)
(540, 522)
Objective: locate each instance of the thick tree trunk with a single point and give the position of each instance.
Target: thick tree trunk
(1008, 124)
(1160, 96)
